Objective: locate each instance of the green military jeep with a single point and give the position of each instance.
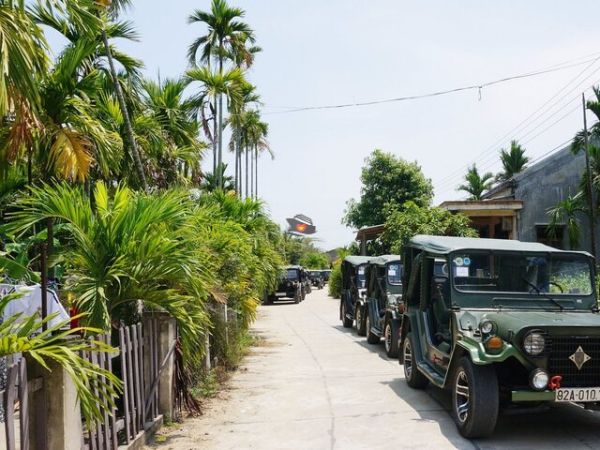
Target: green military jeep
(384, 305)
(499, 322)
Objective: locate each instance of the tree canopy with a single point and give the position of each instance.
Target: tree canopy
(388, 182)
(412, 219)
(513, 161)
(476, 184)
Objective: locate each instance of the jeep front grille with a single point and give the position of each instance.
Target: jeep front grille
(561, 347)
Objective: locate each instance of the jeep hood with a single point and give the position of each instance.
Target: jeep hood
(515, 321)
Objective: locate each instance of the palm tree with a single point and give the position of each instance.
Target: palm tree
(24, 50)
(125, 247)
(214, 85)
(566, 213)
(236, 119)
(261, 146)
(180, 150)
(476, 184)
(209, 182)
(107, 10)
(24, 56)
(513, 161)
(23, 62)
(227, 36)
(21, 335)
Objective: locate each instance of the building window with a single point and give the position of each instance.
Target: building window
(544, 236)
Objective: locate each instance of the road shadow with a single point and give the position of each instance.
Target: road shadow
(378, 349)
(517, 427)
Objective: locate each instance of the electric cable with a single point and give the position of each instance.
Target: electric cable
(478, 87)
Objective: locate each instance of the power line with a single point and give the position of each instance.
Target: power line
(478, 87)
(521, 126)
(491, 159)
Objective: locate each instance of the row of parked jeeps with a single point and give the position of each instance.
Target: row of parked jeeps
(497, 322)
(296, 281)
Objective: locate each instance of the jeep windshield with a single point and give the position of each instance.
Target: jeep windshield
(542, 275)
(394, 274)
(293, 275)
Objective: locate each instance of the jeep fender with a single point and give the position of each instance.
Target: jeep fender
(478, 355)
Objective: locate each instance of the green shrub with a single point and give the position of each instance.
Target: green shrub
(335, 281)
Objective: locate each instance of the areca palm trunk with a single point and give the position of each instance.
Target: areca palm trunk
(220, 110)
(255, 172)
(240, 177)
(215, 138)
(126, 119)
(247, 179)
(235, 178)
(252, 173)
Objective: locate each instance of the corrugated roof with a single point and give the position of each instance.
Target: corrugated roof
(447, 244)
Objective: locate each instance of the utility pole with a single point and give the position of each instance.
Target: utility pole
(590, 190)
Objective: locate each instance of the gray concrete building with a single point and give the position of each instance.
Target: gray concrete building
(518, 208)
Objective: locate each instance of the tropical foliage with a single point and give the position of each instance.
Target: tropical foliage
(569, 212)
(475, 184)
(387, 182)
(413, 219)
(102, 167)
(513, 161)
(55, 346)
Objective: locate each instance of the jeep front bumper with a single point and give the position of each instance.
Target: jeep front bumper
(532, 396)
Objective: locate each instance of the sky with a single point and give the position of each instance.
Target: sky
(324, 52)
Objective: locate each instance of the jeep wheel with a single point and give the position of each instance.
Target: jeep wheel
(390, 336)
(371, 338)
(358, 316)
(414, 378)
(345, 321)
(475, 399)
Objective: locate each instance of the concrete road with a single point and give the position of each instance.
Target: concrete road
(317, 385)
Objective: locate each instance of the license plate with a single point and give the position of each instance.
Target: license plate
(577, 395)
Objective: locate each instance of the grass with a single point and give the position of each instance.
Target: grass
(211, 383)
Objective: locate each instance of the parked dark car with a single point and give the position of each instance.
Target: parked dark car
(326, 274)
(306, 282)
(384, 305)
(353, 286)
(502, 323)
(290, 285)
(316, 278)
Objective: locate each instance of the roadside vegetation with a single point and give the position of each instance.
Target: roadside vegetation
(395, 193)
(101, 169)
(577, 207)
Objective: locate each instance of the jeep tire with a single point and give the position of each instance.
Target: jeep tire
(475, 398)
(371, 337)
(391, 332)
(360, 320)
(414, 378)
(345, 320)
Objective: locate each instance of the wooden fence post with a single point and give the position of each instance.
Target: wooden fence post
(166, 340)
(58, 396)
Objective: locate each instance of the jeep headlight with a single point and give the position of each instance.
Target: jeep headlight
(487, 326)
(534, 343)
